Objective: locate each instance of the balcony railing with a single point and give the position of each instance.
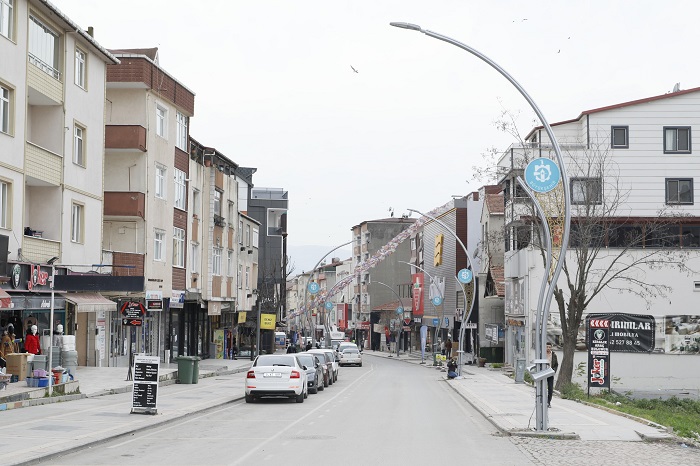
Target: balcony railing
(45, 67)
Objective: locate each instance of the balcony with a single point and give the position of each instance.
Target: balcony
(40, 250)
(44, 83)
(43, 165)
(124, 264)
(124, 204)
(125, 137)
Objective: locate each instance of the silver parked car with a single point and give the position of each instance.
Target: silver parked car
(314, 371)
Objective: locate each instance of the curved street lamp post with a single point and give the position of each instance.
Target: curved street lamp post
(541, 340)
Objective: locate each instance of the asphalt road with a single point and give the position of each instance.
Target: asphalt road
(385, 412)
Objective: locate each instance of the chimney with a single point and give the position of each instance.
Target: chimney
(91, 31)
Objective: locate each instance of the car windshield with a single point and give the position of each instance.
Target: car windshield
(274, 360)
(306, 360)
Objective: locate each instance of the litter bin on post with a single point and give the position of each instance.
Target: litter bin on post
(185, 369)
(195, 368)
(520, 371)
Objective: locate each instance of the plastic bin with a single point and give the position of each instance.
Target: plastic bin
(195, 369)
(185, 369)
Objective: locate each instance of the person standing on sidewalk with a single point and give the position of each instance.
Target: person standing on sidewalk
(554, 364)
(448, 348)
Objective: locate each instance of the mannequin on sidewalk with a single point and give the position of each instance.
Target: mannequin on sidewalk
(31, 344)
(58, 337)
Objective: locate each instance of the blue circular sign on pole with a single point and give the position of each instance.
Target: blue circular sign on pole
(329, 305)
(542, 175)
(437, 300)
(399, 310)
(464, 276)
(436, 322)
(313, 288)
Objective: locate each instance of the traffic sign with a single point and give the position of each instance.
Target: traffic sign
(399, 310)
(436, 322)
(437, 300)
(329, 305)
(470, 325)
(407, 321)
(314, 287)
(132, 322)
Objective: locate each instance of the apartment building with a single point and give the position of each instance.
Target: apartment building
(146, 214)
(52, 106)
(631, 169)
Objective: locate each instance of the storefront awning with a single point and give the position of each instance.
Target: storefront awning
(90, 302)
(5, 300)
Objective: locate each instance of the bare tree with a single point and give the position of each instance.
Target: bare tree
(610, 248)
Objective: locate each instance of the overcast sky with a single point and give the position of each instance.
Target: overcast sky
(275, 88)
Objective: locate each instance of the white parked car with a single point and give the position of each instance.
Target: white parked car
(278, 375)
(346, 344)
(350, 356)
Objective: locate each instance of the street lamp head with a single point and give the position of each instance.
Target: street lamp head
(415, 27)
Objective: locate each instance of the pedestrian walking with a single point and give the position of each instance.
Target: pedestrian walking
(448, 348)
(554, 364)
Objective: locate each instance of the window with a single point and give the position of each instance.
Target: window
(626, 236)
(690, 236)
(80, 63)
(239, 280)
(5, 95)
(180, 189)
(586, 191)
(178, 247)
(247, 235)
(6, 18)
(620, 137)
(194, 258)
(76, 225)
(43, 48)
(196, 203)
(79, 146)
(217, 202)
(679, 190)
(161, 121)
(677, 140)
(4, 205)
(160, 181)
(247, 278)
(181, 137)
(229, 264)
(256, 237)
(159, 245)
(216, 262)
(231, 214)
(240, 232)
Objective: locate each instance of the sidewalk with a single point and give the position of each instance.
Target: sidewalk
(510, 407)
(38, 432)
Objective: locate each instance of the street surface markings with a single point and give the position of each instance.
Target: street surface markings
(256, 448)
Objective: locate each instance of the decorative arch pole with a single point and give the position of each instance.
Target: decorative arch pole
(306, 289)
(403, 309)
(442, 298)
(463, 277)
(541, 341)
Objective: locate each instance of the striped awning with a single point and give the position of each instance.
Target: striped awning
(90, 302)
(5, 300)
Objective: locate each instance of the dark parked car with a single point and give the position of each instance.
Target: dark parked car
(314, 372)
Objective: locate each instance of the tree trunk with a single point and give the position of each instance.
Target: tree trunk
(566, 365)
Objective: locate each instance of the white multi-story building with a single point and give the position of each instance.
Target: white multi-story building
(52, 107)
(631, 166)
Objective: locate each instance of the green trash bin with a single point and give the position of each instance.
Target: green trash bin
(185, 369)
(195, 368)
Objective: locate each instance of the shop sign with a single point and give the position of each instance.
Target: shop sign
(132, 322)
(154, 300)
(629, 333)
(417, 280)
(133, 310)
(15, 275)
(363, 325)
(267, 321)
(145, 390)
(214, 308)
(177, 299)
(36, 277)
(599, 353)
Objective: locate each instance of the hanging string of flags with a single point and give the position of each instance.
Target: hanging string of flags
(322, 296)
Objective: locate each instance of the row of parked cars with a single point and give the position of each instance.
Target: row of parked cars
(295, 375)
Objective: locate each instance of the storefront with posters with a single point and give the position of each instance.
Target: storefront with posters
(189, 326)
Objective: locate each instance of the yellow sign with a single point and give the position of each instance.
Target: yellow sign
(267, 321)
(438, 249)
(241, 317)
(219, 340)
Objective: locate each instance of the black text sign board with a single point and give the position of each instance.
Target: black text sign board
(145, 393)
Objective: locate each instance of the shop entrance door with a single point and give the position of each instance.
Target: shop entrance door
(127, 339)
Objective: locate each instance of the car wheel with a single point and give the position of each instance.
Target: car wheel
(360, 364)
(249, 399)
(300, 398)
(320, 388)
